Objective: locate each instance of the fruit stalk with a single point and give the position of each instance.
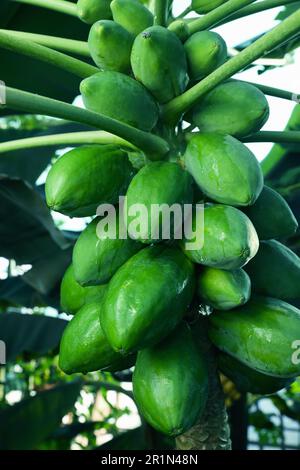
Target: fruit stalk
(160, 12)
(55, 5)
(281, 137)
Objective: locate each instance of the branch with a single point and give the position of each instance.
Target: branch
(277, 92)
(281, 137)
(56, 5)
(160, 12)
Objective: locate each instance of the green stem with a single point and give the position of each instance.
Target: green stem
(262, 46)
(280, 137)
(161, 12)
(277, 92)
(153, 146)
(61, 6)
(257, 7)
(185, 12)
(58, 59)
(61, 44)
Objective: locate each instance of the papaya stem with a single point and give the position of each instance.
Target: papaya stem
(271, 91)
(61, 44)
(152, 145)
(281, 137)
(58, 59)
(161, 12)
(61, 6)
(185, 12)
(289, 27)
(272, 159)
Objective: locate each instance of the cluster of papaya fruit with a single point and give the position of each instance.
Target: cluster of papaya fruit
(132, 297)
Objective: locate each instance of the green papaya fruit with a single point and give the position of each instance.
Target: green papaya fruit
(205, 51)
(263, 334)
(132, 15)
(250, 380)
(224, 169)
(110, 46)
(86, 177)
(223, 109)
(120, 97)
(162, 184)
(271, 216)
(97, 255)
(223, 290)
(170, 383)
(91, 11)
(146, 298)
(73, 296)
(229, 238)
(158, 61)
(84, 348)
(204, 6)
(275, 271)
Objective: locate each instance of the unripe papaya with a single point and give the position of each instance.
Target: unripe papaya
(73, 296)
(204, 6)
(271, 216)
(250, 380)
(275, 271)
(205, 51)
(229, 238)
(224, 169)
(120, 97)
(97, 255)
(110, 46)
(146, 298)
(223, 109)
(132, 15)
(158, 61)
(263, 334)
(162, 184)
(84, 348)
(87, 176)
(170, 383)
(223, 290)
(91, 11)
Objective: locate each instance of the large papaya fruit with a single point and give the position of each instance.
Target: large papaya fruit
(271, 216)
(263, 334)
(170, 383)
(229, 238)
(205, 51)
(84, 348)
(73, 296)
(97, 255)
(204, 6)
(224, 169)
(250, 380)
(223, 290)
(110, 46)
(132, 15)
(91, 11)
(275, 271)
(223, 109)
(87, 176)
(162, 184)
(146, 298)
(120, 97)
(158, 61)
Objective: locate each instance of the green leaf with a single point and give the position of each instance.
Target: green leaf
(130, 440)
(15, 292)
(287, 11)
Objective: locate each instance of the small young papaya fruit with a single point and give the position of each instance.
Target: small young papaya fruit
(158, 61)
(132, 15)
(97, 255)
(229, 238)
(205, 51)
(170, 383)
(262, 335)
(120, 97)
(223, 109)
(225, 169)
(271, 215)
(91, 11)
(204, 6)
(84, 348)
(147, 297)
(73, 296)
(275, 271)
(163, 184)
(110, 46)
(223, 290)
(87, 176)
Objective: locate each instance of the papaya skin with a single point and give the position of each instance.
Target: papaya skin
(225, 170)
(205, 6)
(170, 383)
(223, 290)
(275, 271)
(260, 334)
(132, 15)
(91, 11)
(147, 298)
